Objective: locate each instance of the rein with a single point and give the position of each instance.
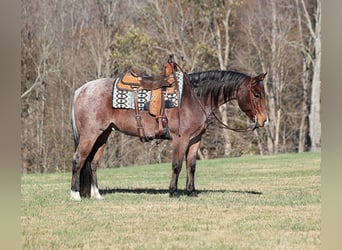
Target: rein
(225, 126)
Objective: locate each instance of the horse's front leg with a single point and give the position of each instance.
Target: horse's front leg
(191, 156)
(179, 147)
(176, 168)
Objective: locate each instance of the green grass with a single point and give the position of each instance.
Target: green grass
(250, 202)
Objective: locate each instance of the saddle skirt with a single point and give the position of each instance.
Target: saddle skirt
(123, 98)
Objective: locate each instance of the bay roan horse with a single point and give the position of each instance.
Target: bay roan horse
(93, 119)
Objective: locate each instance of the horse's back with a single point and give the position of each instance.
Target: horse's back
(96, 86)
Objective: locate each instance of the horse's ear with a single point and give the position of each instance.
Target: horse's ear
(259, 78)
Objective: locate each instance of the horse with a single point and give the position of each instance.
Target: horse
(93, 119)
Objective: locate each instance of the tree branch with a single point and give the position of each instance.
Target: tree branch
(29, 90)
(308, 21)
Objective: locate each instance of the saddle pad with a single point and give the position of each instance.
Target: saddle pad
(123, 99)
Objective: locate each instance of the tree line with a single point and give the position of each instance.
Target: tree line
(66, 43)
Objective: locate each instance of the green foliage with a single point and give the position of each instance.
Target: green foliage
(249, 202)
(135, 48)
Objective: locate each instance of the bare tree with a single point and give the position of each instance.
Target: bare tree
(269, 30)
(314, 28)
(303, 47)
(39, 51)
(221, 41)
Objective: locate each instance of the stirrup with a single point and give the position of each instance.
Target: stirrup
(163, 128)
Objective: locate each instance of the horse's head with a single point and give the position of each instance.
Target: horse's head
(251, 99)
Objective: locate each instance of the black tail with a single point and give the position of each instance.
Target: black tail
(85, 180)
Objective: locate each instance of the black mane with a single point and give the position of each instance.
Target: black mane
(214, 83)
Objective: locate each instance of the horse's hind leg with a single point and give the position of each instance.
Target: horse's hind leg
(85, 163)
(79, 161)
(75, 179)
(95, 193)
(98, 151)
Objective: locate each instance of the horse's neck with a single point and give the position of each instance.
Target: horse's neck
(215, 88)
(211, 102)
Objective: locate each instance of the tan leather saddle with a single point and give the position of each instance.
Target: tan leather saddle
(136, 79)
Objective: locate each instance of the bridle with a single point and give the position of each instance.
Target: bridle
(252, 103)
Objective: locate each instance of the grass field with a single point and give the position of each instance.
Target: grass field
(250, 202)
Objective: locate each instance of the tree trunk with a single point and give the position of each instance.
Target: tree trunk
(226, 133)
(314, 116)
(271, 140)
(303, 123)
(222, 36)
(305, 78)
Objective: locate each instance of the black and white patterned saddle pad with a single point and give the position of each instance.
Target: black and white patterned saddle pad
(123, 99)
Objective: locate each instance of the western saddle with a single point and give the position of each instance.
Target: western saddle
(136, 79)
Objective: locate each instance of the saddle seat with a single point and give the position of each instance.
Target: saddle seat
(136, 79)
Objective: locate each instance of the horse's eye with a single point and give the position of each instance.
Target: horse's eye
(256, 94)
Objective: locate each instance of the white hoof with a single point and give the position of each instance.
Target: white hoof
(95, 193)
(75, 196)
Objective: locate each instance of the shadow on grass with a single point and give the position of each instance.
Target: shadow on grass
(166, 191)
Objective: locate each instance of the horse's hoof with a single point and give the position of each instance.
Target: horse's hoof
(192, 193)
(174, 194)
(75, 196)
(97, 197)
(95, 193)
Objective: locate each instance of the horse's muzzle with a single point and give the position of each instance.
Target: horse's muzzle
(258, 123)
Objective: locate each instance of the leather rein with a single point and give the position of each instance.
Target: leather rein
(225, 126)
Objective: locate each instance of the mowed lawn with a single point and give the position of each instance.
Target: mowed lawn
(250, 202)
